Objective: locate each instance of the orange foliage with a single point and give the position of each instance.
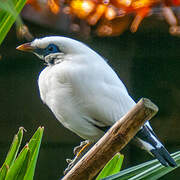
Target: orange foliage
(107, 12)
(54, 6)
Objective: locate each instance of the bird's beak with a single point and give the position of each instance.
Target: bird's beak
(26, 47)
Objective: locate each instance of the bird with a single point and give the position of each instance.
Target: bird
(84, 92)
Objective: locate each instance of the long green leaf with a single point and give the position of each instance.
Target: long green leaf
(112, 167)
(14, 147)
(16, 169)
(23, 169)
(156, 171)
(130, 172)
(34, 146)
(9, 17)
(134, 172)
(11, 156)
(7, 6)
(4, 170)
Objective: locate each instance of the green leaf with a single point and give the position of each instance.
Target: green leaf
(16, 169)
(14, 147)
(24, 166)
(34, 146)
(23, 169)
(130, 172)
(149, 170)
(112, 167)
(9, 12)
(3, 172)
(157, 171)
(11, 156)
(8, 7)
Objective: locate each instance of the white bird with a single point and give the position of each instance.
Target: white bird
(84, 92)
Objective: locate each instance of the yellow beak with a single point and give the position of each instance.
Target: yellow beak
(26, 47)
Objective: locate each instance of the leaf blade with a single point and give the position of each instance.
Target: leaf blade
(112, 167)
(4, 170)
(157, 171)
(8, 18)
(15, 170)
(34, 146)
(133, 173)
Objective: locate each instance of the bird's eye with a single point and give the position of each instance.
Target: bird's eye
(50, 48)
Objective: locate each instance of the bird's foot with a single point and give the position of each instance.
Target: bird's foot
(71, 163)
(79, 152)
(81, 147)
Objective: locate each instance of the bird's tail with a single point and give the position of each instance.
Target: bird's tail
(149, 141)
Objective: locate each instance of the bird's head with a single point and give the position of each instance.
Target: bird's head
(54, 49)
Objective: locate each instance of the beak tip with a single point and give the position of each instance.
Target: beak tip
(18, 47)
(25, 47)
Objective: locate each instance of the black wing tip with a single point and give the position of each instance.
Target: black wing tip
(172, 162)
(164, 157)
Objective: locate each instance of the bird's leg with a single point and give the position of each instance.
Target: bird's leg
(80, 148)
(79, 152)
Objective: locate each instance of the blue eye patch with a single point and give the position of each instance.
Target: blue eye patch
(50, 49)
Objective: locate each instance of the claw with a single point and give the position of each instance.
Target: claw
(69, 161)
(79, 151)
(76, 150)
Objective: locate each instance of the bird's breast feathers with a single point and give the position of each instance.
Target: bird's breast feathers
(90, 89)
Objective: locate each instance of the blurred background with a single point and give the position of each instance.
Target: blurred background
(146, 61)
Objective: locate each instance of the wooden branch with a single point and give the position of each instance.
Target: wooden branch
(113, 141)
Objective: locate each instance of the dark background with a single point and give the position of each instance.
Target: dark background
(148, 63)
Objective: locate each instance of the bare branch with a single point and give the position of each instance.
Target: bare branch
(113, 141)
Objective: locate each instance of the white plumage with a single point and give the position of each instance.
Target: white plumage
(84, 93)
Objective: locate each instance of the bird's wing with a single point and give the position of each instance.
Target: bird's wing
(98, 98)
(102, 96)
(148, 140)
